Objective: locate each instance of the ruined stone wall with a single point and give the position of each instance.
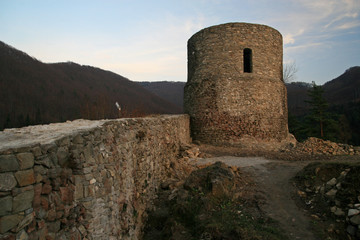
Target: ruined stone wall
(85, 179)
(227, 104)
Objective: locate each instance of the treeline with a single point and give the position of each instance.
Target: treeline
(338, 123)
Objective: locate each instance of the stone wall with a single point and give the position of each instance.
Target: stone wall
(85, 179)
(227, 104)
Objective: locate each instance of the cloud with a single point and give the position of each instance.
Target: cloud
(303, 46)
(341, 17)
(289, 38)
(319, 22)
(348, 25)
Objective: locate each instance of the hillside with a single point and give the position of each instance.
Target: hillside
(296, 96)
(342, 90)
(345, 88)
(32, 92)
(171, 91)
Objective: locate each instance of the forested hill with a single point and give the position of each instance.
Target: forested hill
(32, 92)
(342, 90)
(341, 120)
(345, 88)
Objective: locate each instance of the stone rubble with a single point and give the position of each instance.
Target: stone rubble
(330, 192)
(318, 146)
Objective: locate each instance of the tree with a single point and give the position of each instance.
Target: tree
(318, 111)
(289, 72)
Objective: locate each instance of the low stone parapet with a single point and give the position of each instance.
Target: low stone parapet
(85, 179)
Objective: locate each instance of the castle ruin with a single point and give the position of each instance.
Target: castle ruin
(96, 179)
(235, 93)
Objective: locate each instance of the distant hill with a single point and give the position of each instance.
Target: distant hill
(343, 96)
(345, 88)
(32, 92)
(171, 91)
(339, 91)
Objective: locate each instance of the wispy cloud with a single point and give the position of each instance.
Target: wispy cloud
(344, 16)
(318, 21)
(289, 38)
(304, 46)
(348, 25)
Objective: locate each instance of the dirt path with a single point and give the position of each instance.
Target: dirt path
(273, 181)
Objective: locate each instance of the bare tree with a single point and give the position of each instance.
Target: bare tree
(289, 72)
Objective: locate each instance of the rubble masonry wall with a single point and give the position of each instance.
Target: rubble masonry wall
(89, 183)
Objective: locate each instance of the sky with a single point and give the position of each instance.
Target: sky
(145, 40)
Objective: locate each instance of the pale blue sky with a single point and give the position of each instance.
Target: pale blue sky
(146, 40)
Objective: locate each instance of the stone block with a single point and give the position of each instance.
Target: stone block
(51, 215)
(79, 188)
(53, 227)
(25, 177)
(40, 170)
(44, 203)
(37, 195)
(9, 222)
(22, 235)
(46, 189)
(8, 163)
(26, 221)
(67, 195)
(17, 191)
(7, 181)
(62, 156)
(78, 139)
(37, 151)
(5, 205)
(64, 141)
(355, 220)
(26, 160)
(353, 212)
(23, 201)
(45, 161)
(53, 158)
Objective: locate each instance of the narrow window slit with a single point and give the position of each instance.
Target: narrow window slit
(248, 60)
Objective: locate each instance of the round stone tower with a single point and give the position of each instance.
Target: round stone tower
(235, 92)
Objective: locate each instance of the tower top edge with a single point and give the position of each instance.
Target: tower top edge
(236, 25)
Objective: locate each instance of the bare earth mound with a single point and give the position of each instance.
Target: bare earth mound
(216, 202)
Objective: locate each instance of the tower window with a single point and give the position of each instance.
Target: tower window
(247, 60)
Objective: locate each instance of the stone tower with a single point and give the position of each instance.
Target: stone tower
(235, 93)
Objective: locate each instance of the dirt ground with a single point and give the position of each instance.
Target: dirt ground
(273, 174)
